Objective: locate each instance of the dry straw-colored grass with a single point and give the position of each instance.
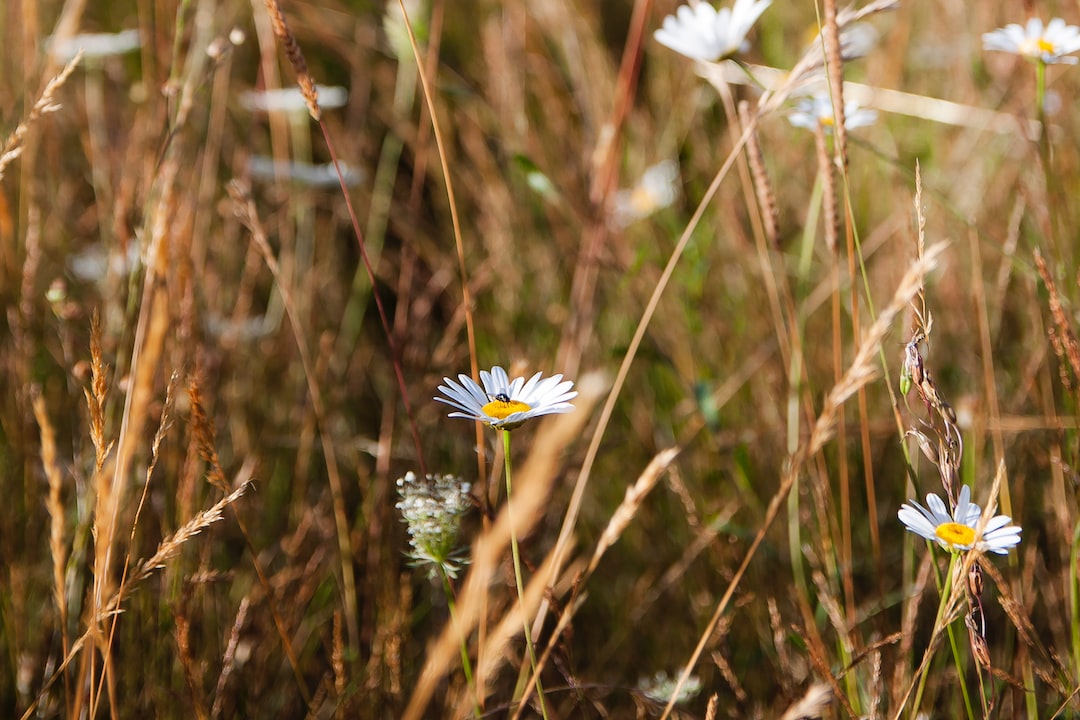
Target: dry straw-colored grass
(211, 379)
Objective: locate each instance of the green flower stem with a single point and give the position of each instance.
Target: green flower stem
(517, 577)
(945, 590)
(1040, 93)
(465, 664)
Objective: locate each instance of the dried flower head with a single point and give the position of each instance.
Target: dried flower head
(660, 688)
(432, 508)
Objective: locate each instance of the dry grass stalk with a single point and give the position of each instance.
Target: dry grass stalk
(726, 672)
(780, 85)
(811, 705)
(909, 616)
(296, 58)
(763, 189)
(28, 295)
(155, 447)
(834, 63)
(228, 660)
(97, 395)
(203, 431)
(828, 186)
(628, 508)
(817, 654)
(337, 662)
(1062, 336)
(45, 104)
(55, 506)
(876, 689)
(710, 711)
(863, 369)
(187, 661)
(170, 546)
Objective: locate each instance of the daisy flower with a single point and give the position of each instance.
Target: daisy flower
(956, 532)
(701, 32)
(656, 189)
(95, 45)
(505, 404)
(1049, 45)
(818, 110)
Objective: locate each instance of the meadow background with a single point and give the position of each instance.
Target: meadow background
(178, 322)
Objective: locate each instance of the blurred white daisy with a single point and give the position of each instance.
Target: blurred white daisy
(660, 688)
(956, 532)
(815, 111)
(95, 45)
(1049, 45)
(702, 32)
(268, 169)
(290, 99)
(655, 190)
(506, 404)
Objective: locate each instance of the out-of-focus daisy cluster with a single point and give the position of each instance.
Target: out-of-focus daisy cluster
(812, 112)
(656, 190)
(661, 688)
(432, 507)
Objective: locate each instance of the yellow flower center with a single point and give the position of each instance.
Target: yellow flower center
(1036, 47)
(643, 201)
(956, 534)
(827, 121)
(502, 407)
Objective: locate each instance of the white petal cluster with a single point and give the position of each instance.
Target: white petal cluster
(815, 111)
(701, 32)
(956, 532)
(661, 687)
(657, 189)
(1051, 44)
(503, 403)
(432, 509)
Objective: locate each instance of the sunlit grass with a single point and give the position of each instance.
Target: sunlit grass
(214, 368)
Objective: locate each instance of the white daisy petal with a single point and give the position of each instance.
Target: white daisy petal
(937, 506)
(916, 521)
